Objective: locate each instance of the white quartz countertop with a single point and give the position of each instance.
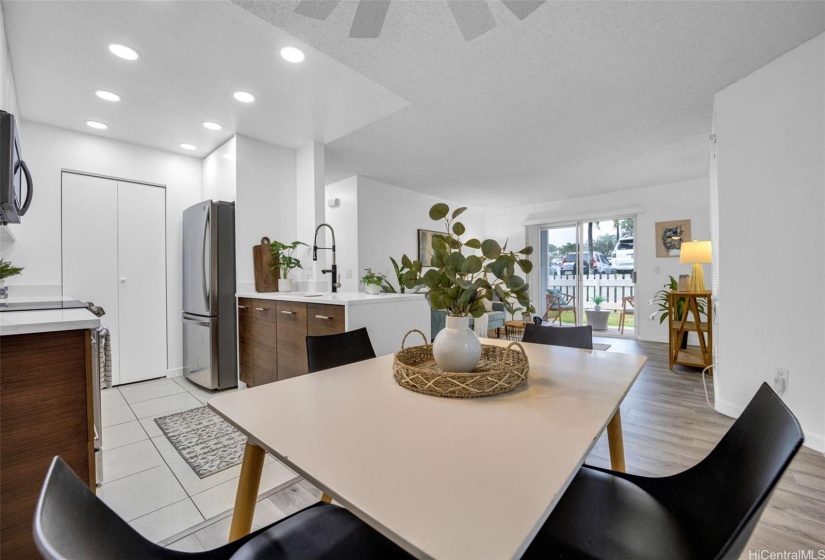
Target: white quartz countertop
(341, 298)
(51, 320)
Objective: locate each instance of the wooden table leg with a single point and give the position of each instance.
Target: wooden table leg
(247, 496)
(615, 442)
(326, 498)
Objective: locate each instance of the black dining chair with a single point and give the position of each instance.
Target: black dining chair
(333, 350)
(707, 511)
(71, 523)
(574, 337)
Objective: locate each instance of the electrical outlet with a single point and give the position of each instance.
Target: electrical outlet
(349, 273)
(780, 380)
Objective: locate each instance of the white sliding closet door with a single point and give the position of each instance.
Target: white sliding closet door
(89, 251)
(141, 232)
(114, 254)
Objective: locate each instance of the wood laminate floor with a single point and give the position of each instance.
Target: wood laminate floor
(667, 428)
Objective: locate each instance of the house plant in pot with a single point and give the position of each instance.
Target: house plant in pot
(373, 281)
(284, 254)
(7, 270)
(598, 301)
(659, 300)
(461, 279)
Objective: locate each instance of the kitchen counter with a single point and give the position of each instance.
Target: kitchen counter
(52, 320)
(341, 298)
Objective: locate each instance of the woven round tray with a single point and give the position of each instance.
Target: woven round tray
(499, 370)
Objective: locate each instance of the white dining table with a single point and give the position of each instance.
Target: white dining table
(441, 477)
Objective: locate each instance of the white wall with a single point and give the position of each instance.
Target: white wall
(770, 130)
(265, 204)
(309, 190)
(684, 200)
(384, 221)
(344, 219)
(48, 150)
(219, 173)
(8, 93)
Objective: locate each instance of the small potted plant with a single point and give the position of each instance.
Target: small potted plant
(527, 314)
(7, 270)
(373, 281)
(283, 254)
(597, 300)
(660, 300)
(408, 275)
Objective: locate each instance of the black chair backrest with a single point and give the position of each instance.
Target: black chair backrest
(740, 473)
(574, 337)
(71, 522)
(329, 351)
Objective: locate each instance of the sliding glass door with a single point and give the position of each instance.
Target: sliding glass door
(588, 275)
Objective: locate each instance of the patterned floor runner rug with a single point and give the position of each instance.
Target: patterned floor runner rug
(205, 440)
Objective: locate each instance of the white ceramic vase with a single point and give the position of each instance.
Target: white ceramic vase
(457, 347)
(285, 285)
(373, 289)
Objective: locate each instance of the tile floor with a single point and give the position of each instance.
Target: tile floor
(146, 481)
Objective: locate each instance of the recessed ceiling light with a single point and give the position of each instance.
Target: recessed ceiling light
(291, 54)
(212, 125)
(188, 146)
(124, 52)
(107, 95)
(244, 97)
(97, 125)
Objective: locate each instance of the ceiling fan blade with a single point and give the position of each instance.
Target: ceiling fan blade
(316, 9)
(522, 8)
(369, 19)
(473, 18)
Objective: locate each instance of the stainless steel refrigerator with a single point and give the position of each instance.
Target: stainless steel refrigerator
(209, 349)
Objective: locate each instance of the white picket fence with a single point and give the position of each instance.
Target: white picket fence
(612, 287)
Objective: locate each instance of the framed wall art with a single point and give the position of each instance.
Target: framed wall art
(425, 245)
(669, 237)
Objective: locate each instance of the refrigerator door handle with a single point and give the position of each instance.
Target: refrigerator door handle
(196, 322)
(203, 261)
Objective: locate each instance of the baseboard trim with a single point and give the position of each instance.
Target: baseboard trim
(176, 372)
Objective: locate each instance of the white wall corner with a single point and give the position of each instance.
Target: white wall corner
(311, 212)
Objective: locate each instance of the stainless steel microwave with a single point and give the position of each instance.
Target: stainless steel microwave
(13, 171)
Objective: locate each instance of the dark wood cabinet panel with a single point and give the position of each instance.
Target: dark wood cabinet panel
(257, 332)
(324, 319)
(292, 332)
(45, 410)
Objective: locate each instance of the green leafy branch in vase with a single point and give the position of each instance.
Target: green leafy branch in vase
(458, 283)
(7, 269)
(408, 275)
(283, 253)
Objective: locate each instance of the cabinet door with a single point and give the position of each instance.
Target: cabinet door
(292, 333)
(141, 231)
(89, 238)
(257, 335)
(324, 319)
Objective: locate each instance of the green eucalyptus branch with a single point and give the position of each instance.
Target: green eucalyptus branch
(459, 283)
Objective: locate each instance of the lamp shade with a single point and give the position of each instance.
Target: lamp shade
(693, 252)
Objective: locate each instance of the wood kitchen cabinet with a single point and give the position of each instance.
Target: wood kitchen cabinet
(291, 341)
(46, 409)
(272, 336)
(257, 324)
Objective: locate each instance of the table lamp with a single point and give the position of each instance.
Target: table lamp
(696, 252)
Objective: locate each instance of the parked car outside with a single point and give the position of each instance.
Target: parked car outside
(623, 255)
(599, 263)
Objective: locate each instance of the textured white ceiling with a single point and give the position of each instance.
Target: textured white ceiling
(194, 55)
(580, 98)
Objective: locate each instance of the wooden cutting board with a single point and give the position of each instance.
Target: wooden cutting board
(266, 279)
